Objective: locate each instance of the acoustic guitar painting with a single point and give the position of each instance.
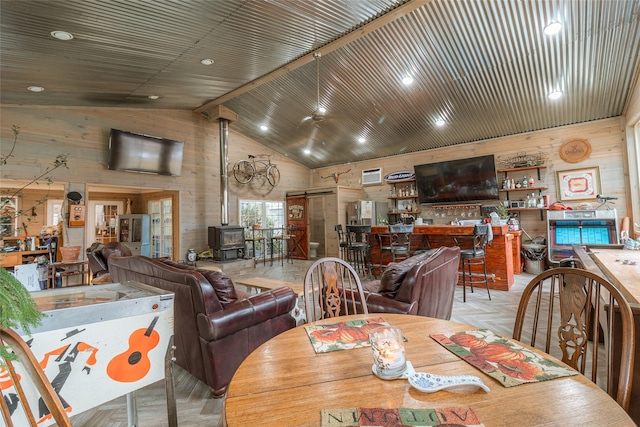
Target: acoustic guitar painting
(133, 364)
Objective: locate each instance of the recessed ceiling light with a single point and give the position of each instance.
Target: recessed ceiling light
(552, 28)
(153, 97)
(36, 88)
(361, 140)
(307, 151)
(206, 61)
(440, 122)
(407, 80)
(264, 127)
(322, 110)
(555, 94)
(61, 35)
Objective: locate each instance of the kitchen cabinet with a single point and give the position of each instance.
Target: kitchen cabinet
(404, 200)
(133, 231)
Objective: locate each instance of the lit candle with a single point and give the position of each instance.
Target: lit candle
(388, 351)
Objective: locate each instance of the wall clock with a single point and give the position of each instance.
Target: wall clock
(575, 151)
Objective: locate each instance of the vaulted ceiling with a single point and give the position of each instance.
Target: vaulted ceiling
(483, 67)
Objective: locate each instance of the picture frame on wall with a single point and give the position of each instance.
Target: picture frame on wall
(578, 184)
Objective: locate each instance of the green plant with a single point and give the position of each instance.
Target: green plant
(17, 308)
(502, 212)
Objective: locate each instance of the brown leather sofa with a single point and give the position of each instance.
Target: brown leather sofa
(214, 329)
(424, 284)
(98, 256)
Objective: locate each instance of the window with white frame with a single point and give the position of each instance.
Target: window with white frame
(266, 216)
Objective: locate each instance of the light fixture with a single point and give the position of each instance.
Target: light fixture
(61, 35)
(552, 28)
(407, 80)
(153, 97)
(307, 151)
(440, 122)
(361, 140)
(264, 127)
(36, 88)
(322, 110)
(555, 94)
(206, 61)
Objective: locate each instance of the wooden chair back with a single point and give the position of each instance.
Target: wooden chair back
(10, 379)
(577, 310)
(332, 288)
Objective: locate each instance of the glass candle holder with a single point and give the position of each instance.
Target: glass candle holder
(389, 359)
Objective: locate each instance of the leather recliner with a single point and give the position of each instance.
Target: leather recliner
(98, 256)
(214, 329)
(425, 284)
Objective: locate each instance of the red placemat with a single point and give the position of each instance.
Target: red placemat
(342, 335)
(505, 360)
(399, 417)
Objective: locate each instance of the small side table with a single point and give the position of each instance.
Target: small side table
(71, 268)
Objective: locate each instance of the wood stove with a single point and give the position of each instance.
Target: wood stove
(227, 242)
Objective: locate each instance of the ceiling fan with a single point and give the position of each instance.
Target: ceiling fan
(320, 113)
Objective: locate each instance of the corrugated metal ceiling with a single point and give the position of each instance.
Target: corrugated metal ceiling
(485, 67)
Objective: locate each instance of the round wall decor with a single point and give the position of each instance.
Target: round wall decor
(575, 151)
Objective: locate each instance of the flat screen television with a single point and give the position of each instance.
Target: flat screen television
(133, 152)
(454, 181)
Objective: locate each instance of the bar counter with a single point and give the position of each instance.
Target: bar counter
(502, 258)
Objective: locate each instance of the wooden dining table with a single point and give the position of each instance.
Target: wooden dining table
(285, 383)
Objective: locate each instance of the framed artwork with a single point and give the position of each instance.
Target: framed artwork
(578, 184)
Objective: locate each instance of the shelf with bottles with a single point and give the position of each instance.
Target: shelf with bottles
(405, 198)
(527, 183)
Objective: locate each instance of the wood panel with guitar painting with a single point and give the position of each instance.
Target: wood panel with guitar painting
(96, 344)
(133, 364)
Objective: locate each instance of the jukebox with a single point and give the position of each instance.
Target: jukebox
(579, 227)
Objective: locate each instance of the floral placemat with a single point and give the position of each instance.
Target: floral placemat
(503, 359)
(399, 417)
(342, 335)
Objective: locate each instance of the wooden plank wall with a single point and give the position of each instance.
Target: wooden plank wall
(83, 134)
(605, 136)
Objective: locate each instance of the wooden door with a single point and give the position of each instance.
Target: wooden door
(297, 223)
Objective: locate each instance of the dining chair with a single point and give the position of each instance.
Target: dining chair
(332, 288)
(33, 374)
(397, 242)
(473, 254)
(359, 247)
(592, 323)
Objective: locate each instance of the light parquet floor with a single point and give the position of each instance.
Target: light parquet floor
(195, 405)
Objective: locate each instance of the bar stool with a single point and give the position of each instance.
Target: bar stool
(253, 240)
(397, 242)
(359, 247)
(481, 237)
(342, 242)
(285, 238)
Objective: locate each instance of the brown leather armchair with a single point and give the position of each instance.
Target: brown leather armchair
(98, 256)
(424, 284)
(214, 329)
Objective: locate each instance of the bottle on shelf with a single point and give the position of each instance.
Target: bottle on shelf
(532, 182)
(525, 182)
(513, 183)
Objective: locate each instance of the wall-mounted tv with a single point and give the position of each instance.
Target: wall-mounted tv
(453, 181)
(133, 152)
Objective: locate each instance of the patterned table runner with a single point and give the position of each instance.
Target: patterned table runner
(503, 359)
(342, 335)
(399, 417)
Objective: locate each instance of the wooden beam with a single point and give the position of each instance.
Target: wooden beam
(350, 37)
(218, 111)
